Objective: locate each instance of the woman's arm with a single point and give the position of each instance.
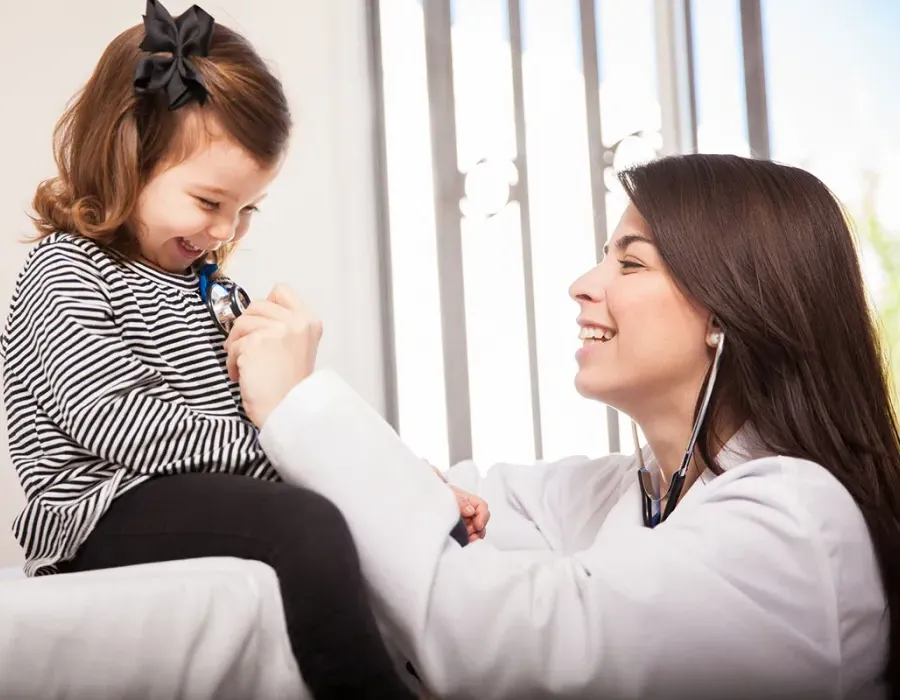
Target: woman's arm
(722, 599)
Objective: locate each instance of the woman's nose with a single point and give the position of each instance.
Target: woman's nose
(588, 287)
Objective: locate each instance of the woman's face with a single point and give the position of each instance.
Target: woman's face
(644, 344)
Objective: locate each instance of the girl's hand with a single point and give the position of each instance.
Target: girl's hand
(474, 512)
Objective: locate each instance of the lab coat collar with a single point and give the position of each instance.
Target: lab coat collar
(743, 446)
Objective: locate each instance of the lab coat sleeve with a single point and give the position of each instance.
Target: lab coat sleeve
(543, 505)
(521, 517)
(64, 345)
(710, 598)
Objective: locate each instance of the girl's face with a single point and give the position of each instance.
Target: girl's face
(203, 202)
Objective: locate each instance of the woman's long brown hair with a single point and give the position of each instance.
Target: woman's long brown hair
(768, 249)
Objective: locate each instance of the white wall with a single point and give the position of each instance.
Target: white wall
(317, 230)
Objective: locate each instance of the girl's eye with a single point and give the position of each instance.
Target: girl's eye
(207, 204)
(253, 209)
(629, 265)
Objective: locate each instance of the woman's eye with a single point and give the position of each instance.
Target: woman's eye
(207, 204)
(629, 265)
(253, 209)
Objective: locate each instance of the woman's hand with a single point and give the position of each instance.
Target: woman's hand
(272, 348)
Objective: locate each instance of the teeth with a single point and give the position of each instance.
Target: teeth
(191, 248)
(592, 333)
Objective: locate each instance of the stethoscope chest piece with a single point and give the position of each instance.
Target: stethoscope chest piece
(225, 300)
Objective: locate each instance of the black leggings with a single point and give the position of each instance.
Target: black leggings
(300, 534)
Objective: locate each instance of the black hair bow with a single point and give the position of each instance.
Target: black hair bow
(189, 35)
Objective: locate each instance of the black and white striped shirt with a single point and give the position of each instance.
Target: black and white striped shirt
(114, 373)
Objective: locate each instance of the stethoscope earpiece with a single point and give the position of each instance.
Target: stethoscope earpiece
(716, 334)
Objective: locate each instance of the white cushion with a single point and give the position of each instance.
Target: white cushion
(192, 629)
(11, 572)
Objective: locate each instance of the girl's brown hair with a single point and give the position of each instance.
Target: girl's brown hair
(767, 248)
(110, 140)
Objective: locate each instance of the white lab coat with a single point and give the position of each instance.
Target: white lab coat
(762, 583)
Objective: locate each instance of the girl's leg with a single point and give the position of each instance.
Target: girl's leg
(300, 534)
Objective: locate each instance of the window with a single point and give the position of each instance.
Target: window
(492, 111)
(834, 110)
(504, 124)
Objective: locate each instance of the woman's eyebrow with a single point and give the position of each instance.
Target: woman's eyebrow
(624, 241)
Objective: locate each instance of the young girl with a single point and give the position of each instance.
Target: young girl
(128, 437)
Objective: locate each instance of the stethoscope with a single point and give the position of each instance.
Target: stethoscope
(651, 498)
(224, 299)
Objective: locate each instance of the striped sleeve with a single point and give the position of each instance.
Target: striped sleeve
(68, 351)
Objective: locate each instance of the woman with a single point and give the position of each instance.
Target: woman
(777, 574)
